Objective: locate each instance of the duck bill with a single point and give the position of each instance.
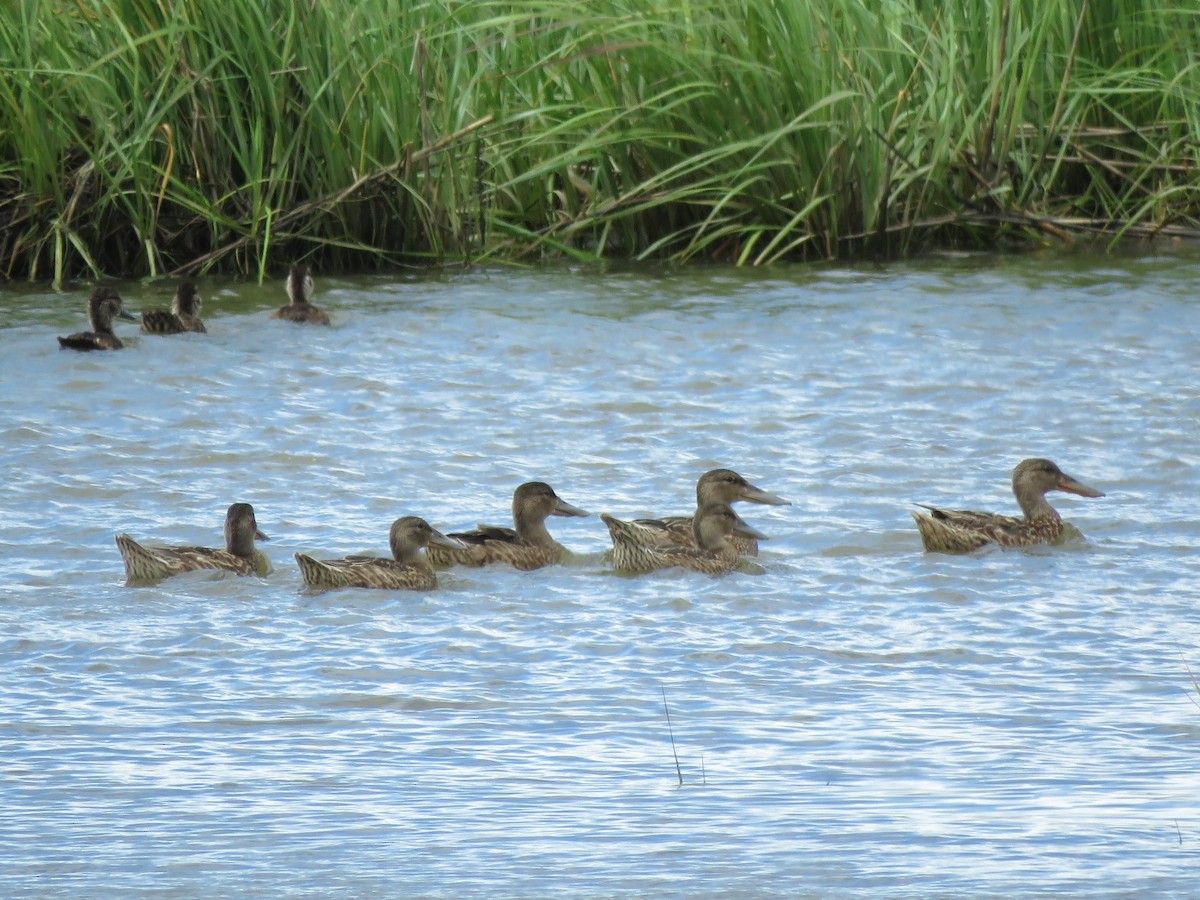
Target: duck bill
(563, 508)
(745, 529)
(1071, 486)
(262, 537)
(436, 538)
(127, 316)
(752, 494)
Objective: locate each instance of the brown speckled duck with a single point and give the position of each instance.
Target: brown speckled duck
(103, 306)
(149, 564)
(714, 526)
(723, 486)
(961, 531)
(528, 547)
(300, 290)
(407, 570)
(182, 317)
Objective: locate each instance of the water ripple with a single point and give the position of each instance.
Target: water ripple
(848, 714)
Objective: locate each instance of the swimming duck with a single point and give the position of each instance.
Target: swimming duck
(528, 547)
(300, 290)
(183, 316)
(961, 531)
(408, 569)
(143, 564)
(103, 306)
(716, 486)
(714, 526)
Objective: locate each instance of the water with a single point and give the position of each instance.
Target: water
(856, 718)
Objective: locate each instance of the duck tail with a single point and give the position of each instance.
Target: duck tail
(141, 565)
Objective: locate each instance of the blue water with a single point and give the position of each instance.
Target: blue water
(854, 717)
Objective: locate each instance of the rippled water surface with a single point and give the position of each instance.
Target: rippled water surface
(853, 717)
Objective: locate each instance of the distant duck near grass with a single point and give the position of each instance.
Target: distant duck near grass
(408, 568)
(713, 527)
(300, 291)
(103, 306)
(182, 317)
(150, 564)
(961, 531)
(720, 486)
(529, 546)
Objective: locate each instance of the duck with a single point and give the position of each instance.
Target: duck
(723, 486)
(529, 546)
(299, 287)
(714, 552)
(103, 306)
(149, 564)
(183, 316)
(962, 531)
(407, 570)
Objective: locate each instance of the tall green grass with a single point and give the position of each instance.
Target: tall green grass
(152, 136)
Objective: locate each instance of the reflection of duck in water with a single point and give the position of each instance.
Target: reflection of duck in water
(721, 486)
(300, 290)
(714, 527)
(103, 306)
(143, 564)
(528, 547)
(960, 531)
(408, 568)
(183, 316)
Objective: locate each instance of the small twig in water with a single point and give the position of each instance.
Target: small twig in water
(1178, 832)
(671, 731)
(1195, 683)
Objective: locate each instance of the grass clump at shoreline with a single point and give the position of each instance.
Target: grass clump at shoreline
(142, 137)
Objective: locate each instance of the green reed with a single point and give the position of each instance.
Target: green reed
(152, 136)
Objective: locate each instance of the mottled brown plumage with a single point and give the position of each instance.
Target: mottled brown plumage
(299, 287)
(103, 306)
(961, 531)
(528, 546)
(149, 564)
(182, 317)
(407, 570)
(723, 486)
(713, 527)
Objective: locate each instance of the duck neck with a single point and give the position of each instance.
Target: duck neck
(407, 555)
(240, 542)
(241, 546)
(704, 536)
(1033, 503)
(727, 551)
(532, 530)
(711, 538)
(721, 547)
(299, 288)
(102, 322)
